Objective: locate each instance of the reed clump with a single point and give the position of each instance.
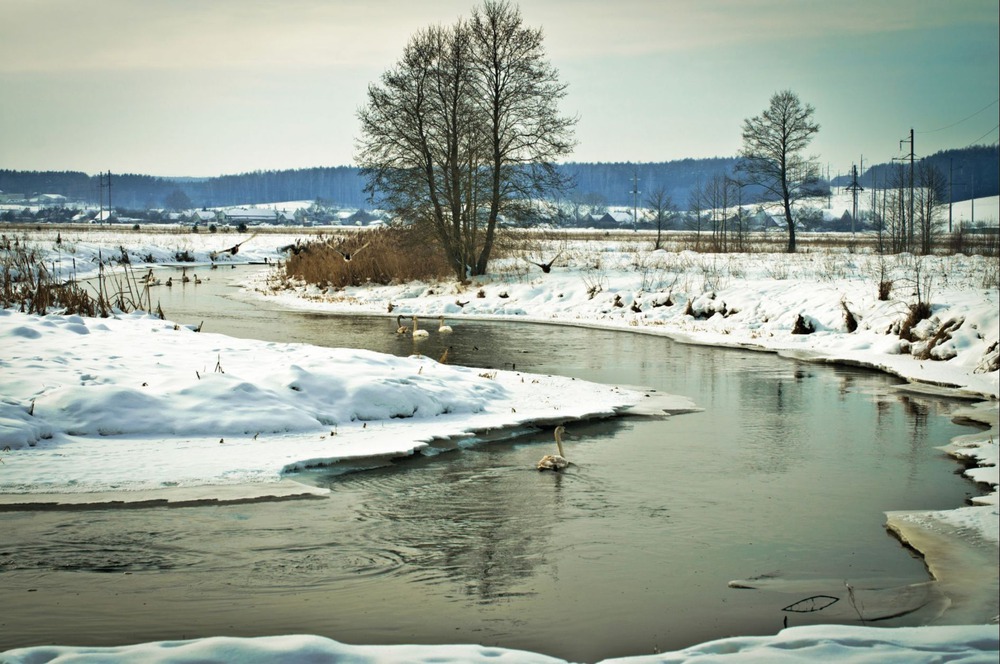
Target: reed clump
(28, 284)
(378, 256)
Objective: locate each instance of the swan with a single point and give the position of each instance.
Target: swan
(555, 461)
(417, 333)
(400, 328)
(444, 329)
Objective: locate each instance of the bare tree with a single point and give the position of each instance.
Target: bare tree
(696, 210)
(930, 196)
(662, 205)
(771, 156)
(464, 130)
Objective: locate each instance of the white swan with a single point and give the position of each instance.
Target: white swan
(444, 329)
(418, 333)
(555, 461)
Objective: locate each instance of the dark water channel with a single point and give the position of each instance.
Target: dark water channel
(786, 475)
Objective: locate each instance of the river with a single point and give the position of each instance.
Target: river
(785, 475)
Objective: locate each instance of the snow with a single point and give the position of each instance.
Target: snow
(819, 643)
(133, 407)
(205, 409)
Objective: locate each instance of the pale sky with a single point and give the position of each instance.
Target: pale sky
(210, 87)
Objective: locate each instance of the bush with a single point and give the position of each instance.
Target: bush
(918, 312)
(380, 256)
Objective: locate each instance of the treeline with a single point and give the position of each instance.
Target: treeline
(614, 183)
(973, 169)
(600, 184)
(340, 185)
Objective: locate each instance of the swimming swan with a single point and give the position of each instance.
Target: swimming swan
(555, 461)
(417, 333)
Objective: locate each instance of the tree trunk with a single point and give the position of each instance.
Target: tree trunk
(791, 227)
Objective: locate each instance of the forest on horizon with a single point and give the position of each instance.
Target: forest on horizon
(973, 171)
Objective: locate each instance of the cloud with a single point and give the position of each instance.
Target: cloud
(79, 35)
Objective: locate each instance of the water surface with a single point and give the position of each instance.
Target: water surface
(786, 475)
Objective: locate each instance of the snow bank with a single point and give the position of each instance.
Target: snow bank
(976, 644)
(134, 403)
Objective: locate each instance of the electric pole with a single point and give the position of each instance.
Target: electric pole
(854, 188)
(909, 233)
(635, 201)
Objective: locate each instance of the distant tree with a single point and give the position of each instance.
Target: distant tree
(662, 205)
(177, 200)
(696, 210)
(772, 158)
(929, 198)
(464, 130)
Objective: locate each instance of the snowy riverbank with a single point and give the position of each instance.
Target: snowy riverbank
(105, 404)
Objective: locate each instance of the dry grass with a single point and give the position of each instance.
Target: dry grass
(380, 256)
(27, 284)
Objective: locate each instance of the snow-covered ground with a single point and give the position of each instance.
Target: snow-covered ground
(105, 405)
(974, 644)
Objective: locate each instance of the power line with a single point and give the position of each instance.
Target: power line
(982, 137)
(962, 120)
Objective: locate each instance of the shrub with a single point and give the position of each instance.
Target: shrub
(380, 256)
(802, 325)
(918, 311)
(849, 320)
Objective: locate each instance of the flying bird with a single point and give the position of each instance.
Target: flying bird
(546, 267)
(348, 255)
(233, 250)
(555, 461)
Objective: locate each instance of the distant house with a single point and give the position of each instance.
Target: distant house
(11, 198)
(204, 216)
(763, 220)
(50, 199)
(253, 215)
(616, 219)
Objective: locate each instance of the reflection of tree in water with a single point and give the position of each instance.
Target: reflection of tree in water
(917, 412)
(774, 405)
(470, 520)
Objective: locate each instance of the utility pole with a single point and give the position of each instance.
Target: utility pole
(854, 188)
(110, 209)
(951, 176)
(909, 233)
(635, 201)
(829, 187)
(100, 198)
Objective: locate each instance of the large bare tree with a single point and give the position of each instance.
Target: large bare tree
(464, 130)
(772, 157)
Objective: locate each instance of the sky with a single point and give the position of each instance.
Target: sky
(194, 88)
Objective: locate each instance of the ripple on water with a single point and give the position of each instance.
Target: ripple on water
(103, 552)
